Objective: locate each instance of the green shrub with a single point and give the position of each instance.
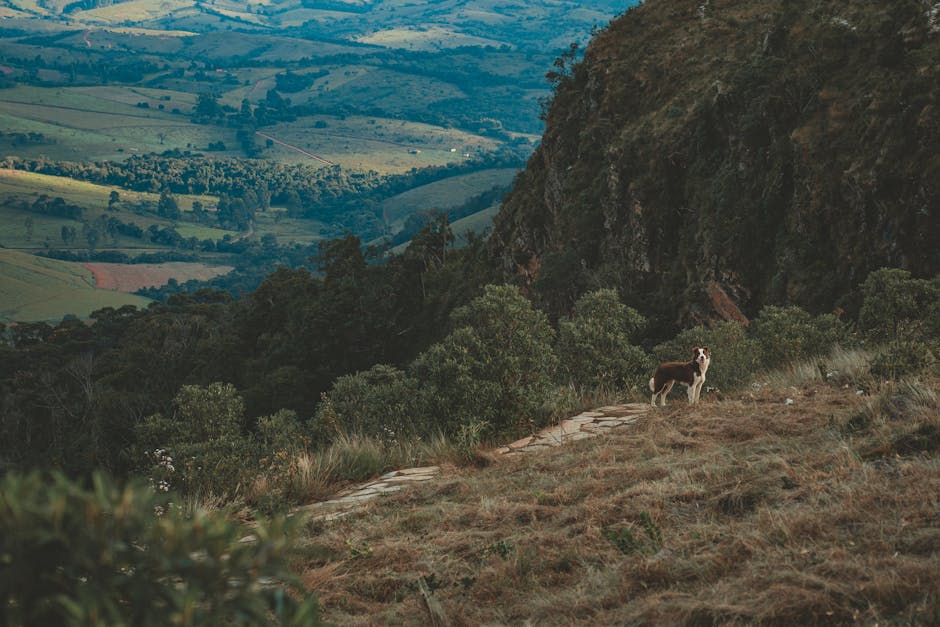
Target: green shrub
(789, 334)
(113, 555)
(594, 345)
(496, 367)
(735, 357)
(895, 306)
(899, 359)
(382, 402)
(203, 447)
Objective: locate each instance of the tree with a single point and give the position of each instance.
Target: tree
(28, 223)
(594, 344)
(341, 259)
(896, 307)
(207, 434)
(113, 199)
(207, 108)
(495, 370)
(125, 555)
(429, 246)
(167, 206)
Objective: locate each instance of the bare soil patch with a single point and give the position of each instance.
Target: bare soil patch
(124, 277)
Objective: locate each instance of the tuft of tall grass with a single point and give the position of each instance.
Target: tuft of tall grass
(841, 366)
(351, 458)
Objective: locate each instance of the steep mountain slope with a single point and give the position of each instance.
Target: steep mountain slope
(707, 154)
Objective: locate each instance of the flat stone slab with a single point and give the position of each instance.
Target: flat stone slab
(390, 489)
(404, 478)
(520, 443)
(552, 433)
(581, 435)
(570, 426)
(423, 470)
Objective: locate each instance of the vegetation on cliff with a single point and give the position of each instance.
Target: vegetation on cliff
(754, 152)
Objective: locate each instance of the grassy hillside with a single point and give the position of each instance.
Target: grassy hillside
(799, 503)
(34, 288)
(21, 184)
(17, 186)
(372, 143)
(445, 194)
(94, 123)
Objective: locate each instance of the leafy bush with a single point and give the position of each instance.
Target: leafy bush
(205, 440)
(895, 306)
(496, 367)
(381, 402)
(594, 347)
(789, 334)
(124, 556)
(735, 357)
(898, 359)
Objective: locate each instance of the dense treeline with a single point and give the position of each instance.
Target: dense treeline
(74, 394)
(348, 198)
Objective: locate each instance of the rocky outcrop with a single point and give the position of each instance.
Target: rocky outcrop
(708, 159)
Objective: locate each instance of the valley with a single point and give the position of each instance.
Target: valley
(407, 109)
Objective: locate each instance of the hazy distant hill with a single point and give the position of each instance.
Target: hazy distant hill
(767, 151)
(393, 23)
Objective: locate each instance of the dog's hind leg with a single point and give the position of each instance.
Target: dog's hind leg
(665, 392)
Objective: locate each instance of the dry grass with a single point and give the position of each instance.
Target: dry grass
(312, 477)
(745, 510)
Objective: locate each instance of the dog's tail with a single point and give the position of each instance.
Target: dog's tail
(652, 384)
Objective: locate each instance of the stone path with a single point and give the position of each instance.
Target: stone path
(345, 502)
(587, 424)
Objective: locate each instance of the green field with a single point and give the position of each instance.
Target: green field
(91, 195)
(100, 123)
(16, 185)
(444, 194)
(274, 221)
(373, 143)
(34, 288)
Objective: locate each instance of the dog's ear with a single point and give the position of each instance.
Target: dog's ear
(707, 352)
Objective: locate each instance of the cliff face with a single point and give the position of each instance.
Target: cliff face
(714, 154)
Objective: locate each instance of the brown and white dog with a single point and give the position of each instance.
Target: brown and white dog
(690, 374)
